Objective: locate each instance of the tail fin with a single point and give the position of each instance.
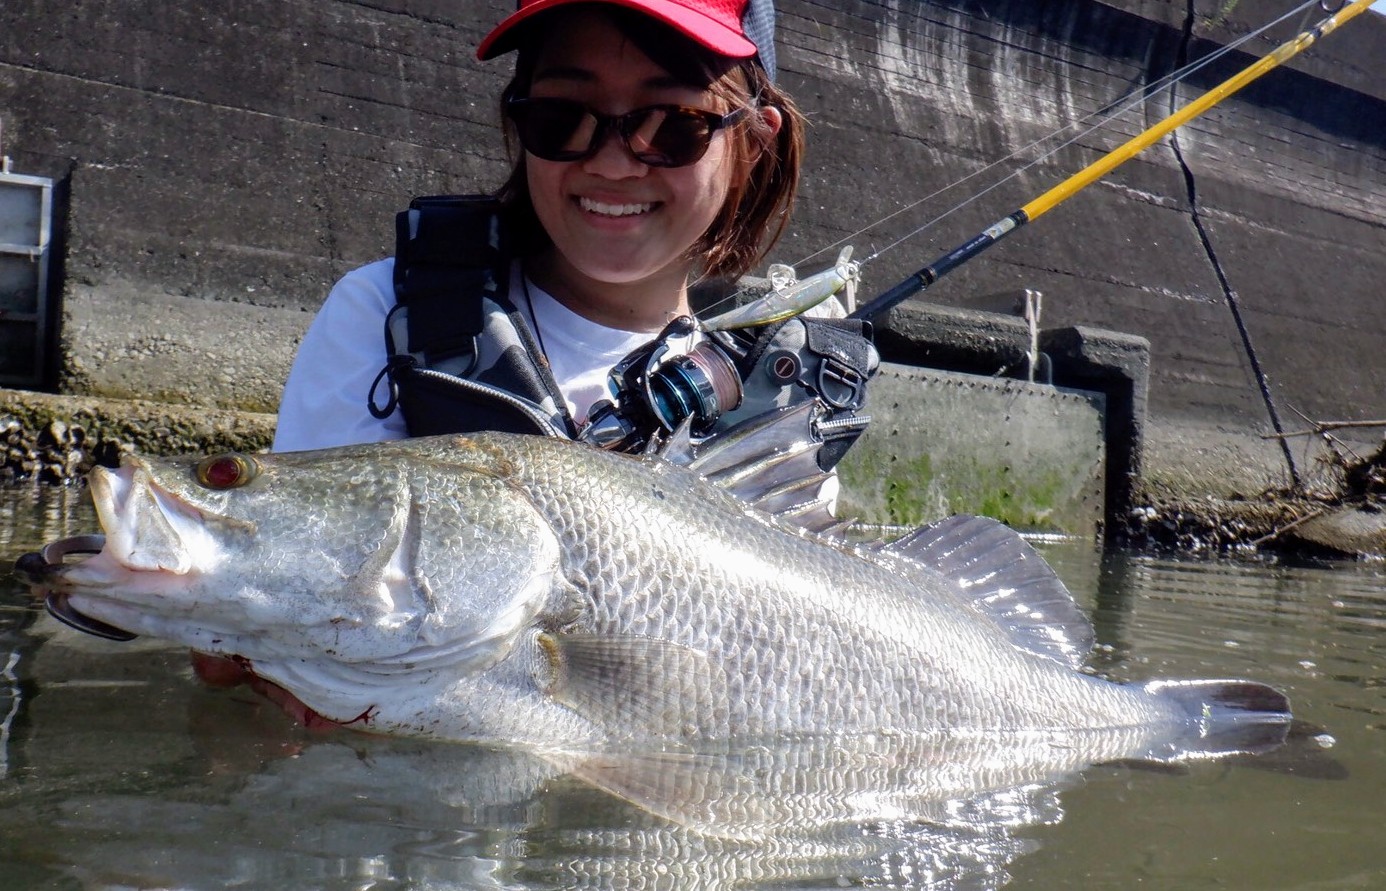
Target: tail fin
(1224, 718)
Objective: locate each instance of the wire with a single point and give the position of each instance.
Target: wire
(1106, 115)
(1093, 172)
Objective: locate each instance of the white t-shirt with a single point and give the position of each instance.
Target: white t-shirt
(324, 399)
(580, 351)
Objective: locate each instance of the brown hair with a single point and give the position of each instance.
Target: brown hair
(766, 166)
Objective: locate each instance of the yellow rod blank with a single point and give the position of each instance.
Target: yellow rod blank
(1106, 164)
(1109, 162)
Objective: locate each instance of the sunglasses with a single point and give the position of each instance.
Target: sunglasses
(657, 135)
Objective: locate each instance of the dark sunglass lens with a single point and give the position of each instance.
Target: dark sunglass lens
(553, 129)
(660, 135)
(668, 136)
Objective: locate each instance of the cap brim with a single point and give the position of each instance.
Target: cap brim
(697, 27)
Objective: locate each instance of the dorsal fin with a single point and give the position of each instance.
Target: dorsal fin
(678, 448)
(997, 570)
(769, 461)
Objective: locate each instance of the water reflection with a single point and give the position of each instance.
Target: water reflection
(118, 769)
(361, 812)
(136, 775)
(29, 516)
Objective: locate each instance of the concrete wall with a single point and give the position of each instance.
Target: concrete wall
(235, 157)
(1288, 182)
(225, 162)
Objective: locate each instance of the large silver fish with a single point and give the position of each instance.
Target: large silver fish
(541, 593)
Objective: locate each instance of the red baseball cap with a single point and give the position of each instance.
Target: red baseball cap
(716, 24)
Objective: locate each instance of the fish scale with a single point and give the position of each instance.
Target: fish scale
(793, 583)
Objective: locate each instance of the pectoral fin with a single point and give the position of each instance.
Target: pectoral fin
(637, 686)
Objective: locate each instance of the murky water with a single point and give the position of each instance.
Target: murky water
(119, 770)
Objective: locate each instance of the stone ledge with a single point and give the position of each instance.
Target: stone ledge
(57, 439)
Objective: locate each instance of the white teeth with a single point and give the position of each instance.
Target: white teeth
(613, 210)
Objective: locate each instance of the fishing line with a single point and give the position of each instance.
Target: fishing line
(1104, 116)
(1037, 207)
(1107, 114)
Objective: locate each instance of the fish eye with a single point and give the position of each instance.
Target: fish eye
(227, 471)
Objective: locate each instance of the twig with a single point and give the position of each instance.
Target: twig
(1288, 526)
(1321, 427)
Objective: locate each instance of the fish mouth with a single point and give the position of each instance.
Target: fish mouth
(147, 532)
(59, 606)
(40, 567)
(147, 528)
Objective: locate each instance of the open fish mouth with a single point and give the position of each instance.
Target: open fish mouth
(215, 670)
(60, 607)
(39, 567)
(146, 532)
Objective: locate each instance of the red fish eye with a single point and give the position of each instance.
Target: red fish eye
(226, 471)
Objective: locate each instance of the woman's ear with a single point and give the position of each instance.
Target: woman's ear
(773, 119)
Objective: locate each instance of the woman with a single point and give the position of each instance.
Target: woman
(635, 178)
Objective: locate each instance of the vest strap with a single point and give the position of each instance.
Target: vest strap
(447, 251)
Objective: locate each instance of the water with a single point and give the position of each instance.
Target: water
(119, 770)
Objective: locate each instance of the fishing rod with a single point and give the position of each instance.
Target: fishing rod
(989, 236)
(691, 387)
(1103, 116)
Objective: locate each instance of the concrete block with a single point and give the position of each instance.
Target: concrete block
(1078, 358)
(941, 443)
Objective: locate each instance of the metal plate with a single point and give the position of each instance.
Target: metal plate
(941, 443)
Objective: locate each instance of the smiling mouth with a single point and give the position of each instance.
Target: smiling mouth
(601, 208)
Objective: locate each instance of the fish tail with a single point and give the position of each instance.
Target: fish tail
(1224, 717)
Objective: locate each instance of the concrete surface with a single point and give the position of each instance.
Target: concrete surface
(57, 439)
(221, 165)
(991, 345)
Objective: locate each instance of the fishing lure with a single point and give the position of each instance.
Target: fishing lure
(789, 296)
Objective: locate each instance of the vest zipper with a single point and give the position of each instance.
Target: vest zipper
(523, 406)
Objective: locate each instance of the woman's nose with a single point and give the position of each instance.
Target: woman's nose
(613, 159)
